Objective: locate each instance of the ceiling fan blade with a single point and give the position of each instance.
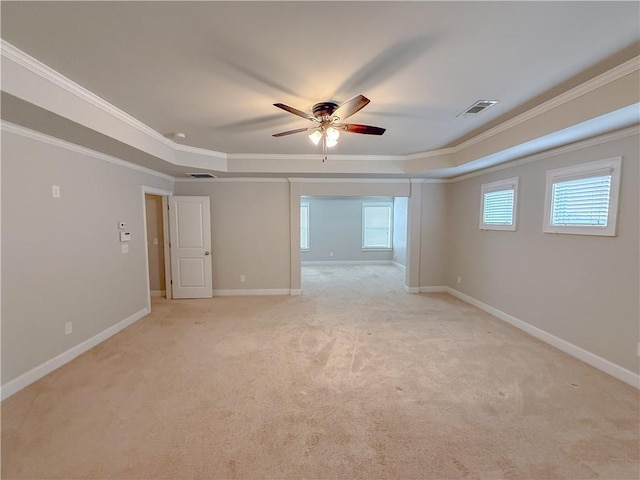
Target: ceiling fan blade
(357, 128)
(295, 111)
(351, 106)
(290, 132)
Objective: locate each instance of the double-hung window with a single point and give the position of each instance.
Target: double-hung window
(583, 199)
(304, 226)
(498, 205)
(377, 220)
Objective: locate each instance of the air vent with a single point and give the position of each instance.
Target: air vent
(479, 106)
(201, 175)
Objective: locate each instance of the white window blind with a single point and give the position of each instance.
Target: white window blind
(304, 226)
(376, 225)
(584, 201)
(498, 205)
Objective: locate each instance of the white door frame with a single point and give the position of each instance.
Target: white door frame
(167, 267)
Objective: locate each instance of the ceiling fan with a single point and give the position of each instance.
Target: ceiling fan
(327, 118)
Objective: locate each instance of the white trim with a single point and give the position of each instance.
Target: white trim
(594, 83)
(313, 157)
(612, 166)
(411, 289)
(158, 293)
(590, 142)
(245, 292)
(198, 151)
(232, 179)
(436, 289)
(399, 265)
(347, 180)
(296, 291)
(58, 361)
(32, 64)
(592, 359)
(56, 142)
(335, 263)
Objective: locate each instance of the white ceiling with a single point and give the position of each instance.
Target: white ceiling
(213, 69)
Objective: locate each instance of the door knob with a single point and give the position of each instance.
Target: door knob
(207, 253)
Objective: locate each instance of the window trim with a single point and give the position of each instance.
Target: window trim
(497, 186)
(585, 170)
(378, 204)
(305, 205)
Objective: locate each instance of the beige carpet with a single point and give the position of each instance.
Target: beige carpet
(353, 380)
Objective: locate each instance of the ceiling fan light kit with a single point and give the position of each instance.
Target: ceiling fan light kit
(328, 117)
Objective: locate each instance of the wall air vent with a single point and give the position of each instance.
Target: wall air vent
(201, 175)
(479, 106)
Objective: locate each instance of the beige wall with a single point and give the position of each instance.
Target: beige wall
(250, 233)
(61, 258)
(155, 242)
(433, 234)
(583, 289)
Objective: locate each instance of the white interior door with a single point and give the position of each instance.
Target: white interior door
(190, 234)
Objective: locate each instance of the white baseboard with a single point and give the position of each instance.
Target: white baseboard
(253, 292)
(56, 362)
(158, 293)
(320, 263)
(411, 289)
(296, 291)
(399, 265)
(437, 289)
(592, 359)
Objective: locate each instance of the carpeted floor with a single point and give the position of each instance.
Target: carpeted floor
(353, 380)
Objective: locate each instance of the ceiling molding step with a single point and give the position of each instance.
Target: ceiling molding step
(590, 142)
(198, 151)
(601, 80)
(410, 164)
(346, 180)
(21, 58)
(233, 180)
(56, 142)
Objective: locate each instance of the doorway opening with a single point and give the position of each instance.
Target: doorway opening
(345, 240)
(155, 244)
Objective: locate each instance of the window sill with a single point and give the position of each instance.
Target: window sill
(376, 249)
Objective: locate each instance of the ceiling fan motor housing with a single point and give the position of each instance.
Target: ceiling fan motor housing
(324, 110)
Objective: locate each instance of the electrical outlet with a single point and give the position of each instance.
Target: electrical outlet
(68, 328)
(459, 279)
(124, 247)
(55, 191)
(242, 278)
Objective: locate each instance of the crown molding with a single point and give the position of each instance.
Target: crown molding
(232, 180)
(590, 142)
(198, 151)
(601, 80)
(32, 64)
(56, 142)
(21, 58)
(346, 180)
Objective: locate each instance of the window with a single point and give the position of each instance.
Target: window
(583, 199)
(498, 205)
(376, 225)
(304, 226)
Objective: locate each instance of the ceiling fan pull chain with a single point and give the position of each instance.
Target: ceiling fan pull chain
(324, 148)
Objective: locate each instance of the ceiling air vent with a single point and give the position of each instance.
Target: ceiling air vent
(479, 106)
(201, 175)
